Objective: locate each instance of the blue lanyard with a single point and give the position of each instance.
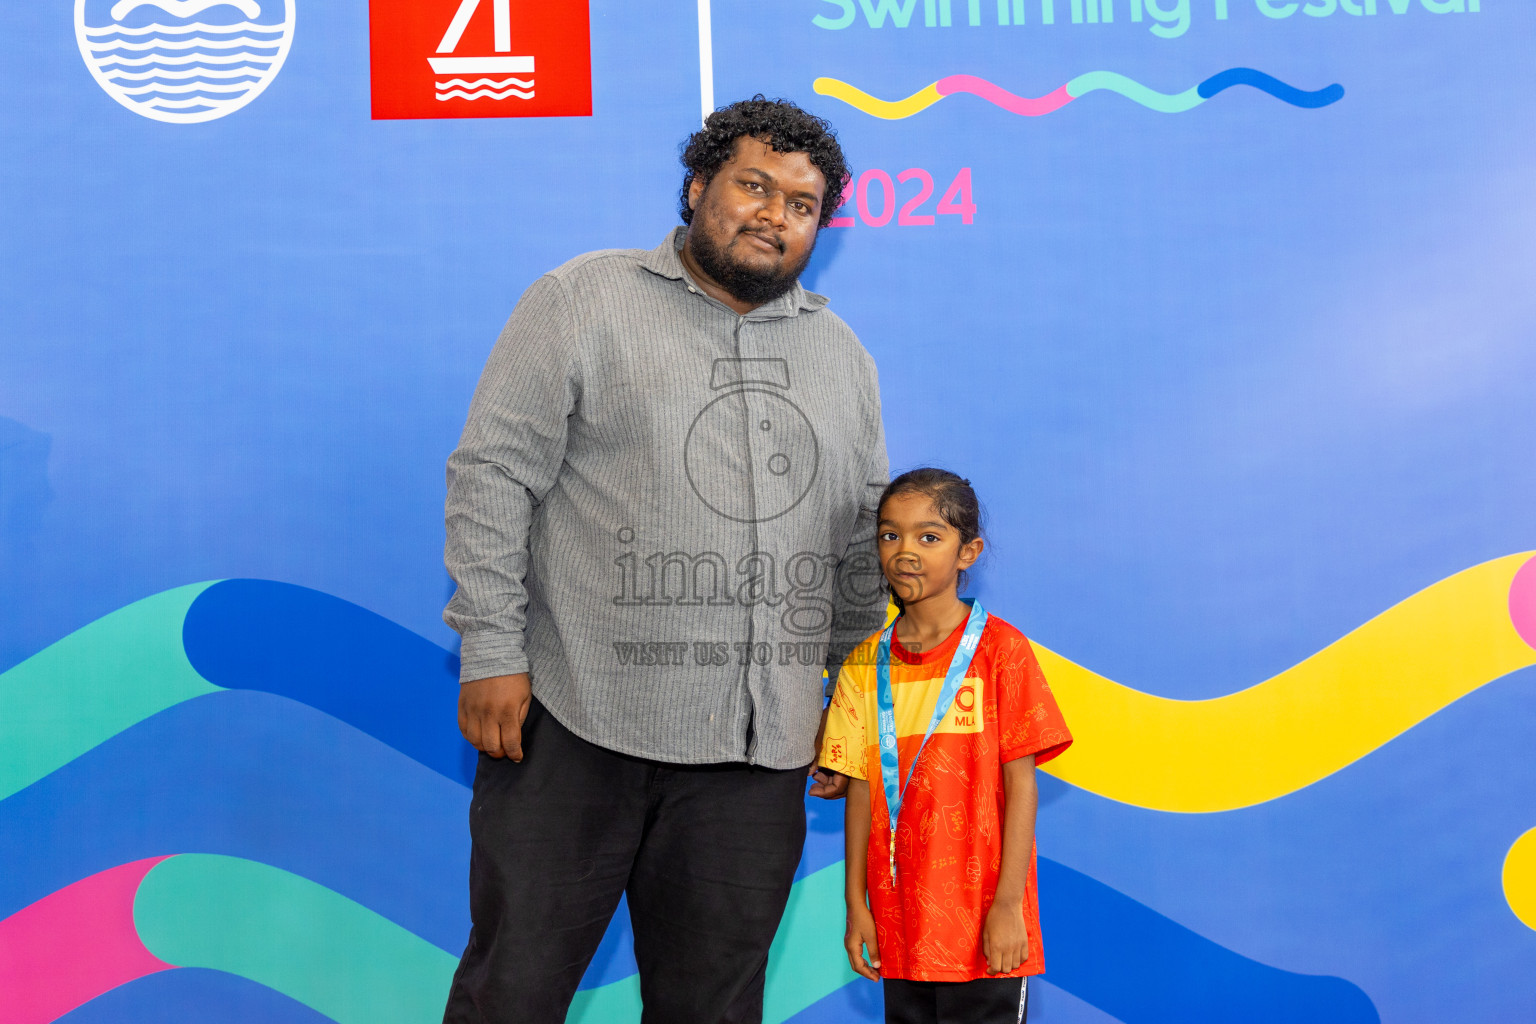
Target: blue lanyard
(959, 664)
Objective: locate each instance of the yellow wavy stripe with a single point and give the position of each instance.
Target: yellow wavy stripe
(1520, 878)
(1305, 723)
(891, 110)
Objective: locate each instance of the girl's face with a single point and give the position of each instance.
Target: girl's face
(920, 554)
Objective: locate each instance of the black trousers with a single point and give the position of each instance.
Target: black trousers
(706, 855)
(982, 1001)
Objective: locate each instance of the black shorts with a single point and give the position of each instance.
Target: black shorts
(982, 1001)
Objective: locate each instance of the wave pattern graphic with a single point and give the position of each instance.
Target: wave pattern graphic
(180, 71)
(244, 71)
(73, 945)
(173, 30)
(1519, 878)
(1138, 965)
(359, 854)
(491, 82)
(223, 913)
(184, 8)
(1082, 85)
(187, 995)
(1309, 721)
(351, 964)
(1346, 700)
(200, 61)
(485, 94)
(189, 44)
(484, 88)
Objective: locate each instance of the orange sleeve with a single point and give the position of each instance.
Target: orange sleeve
(1029, 722)
(843, 746)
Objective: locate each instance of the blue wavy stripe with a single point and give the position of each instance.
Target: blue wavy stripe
(256, 776)
(858, 1002)
(371, 673)
(1272, 85)
(1135, 964)
(195, 94)
(1340, 871)
(193, 996)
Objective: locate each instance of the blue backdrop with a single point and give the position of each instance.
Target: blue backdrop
(1227, 309)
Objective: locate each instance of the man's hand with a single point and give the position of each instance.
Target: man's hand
(860, 936)
(829, 785)
(491, 713)
(1004, 938)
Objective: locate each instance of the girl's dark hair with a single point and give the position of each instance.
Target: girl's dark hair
(950, 493)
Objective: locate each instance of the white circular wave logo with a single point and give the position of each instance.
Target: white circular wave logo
(184, 61)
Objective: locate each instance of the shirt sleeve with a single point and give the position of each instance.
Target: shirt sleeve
(859, 596)
(507, 460)
(844, 745)
(1029, 721)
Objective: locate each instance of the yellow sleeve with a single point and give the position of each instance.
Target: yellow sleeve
(843, 747)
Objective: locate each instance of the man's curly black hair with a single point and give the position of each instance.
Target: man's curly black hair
(780, 124)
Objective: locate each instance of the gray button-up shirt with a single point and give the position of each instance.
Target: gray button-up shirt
(665, 512)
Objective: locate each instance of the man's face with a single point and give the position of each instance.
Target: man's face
(754, 223)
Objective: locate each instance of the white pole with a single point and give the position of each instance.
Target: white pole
(706, 61)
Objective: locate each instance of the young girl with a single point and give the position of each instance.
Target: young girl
(939, 722)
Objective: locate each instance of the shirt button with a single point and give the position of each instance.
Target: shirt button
(692, 289)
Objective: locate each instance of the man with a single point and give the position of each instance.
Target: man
(661, 522)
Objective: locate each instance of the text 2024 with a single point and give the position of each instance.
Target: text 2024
(878, 199)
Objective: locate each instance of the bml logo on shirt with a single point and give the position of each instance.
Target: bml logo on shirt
(480, 58)
(965, 713)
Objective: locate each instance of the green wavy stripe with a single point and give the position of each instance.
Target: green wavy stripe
(357, 967)
(807, 961)
(1164, 103)
(290, 934)
(617, 1002)
(93, 684)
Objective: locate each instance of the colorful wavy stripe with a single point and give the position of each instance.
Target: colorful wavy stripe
(1519, 878)
(341, 959)
(234, 634)
(1138, 965)
(93, 684)
(73, 945)
(257, 776)
(1082, 85)
(193, 995)
(1188, 756)
(361, 846)
(227, 914)
(1309, 721)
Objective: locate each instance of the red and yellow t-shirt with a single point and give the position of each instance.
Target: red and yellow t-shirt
(949, 839)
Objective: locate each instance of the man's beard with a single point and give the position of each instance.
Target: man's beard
(744, 282)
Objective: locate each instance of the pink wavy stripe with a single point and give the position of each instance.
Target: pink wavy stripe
(1522, 602)
(71, 946)
(1002, 97)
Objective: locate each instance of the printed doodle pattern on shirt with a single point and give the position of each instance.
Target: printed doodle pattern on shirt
(948, 843)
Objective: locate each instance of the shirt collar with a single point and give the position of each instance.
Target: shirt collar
(665, 262)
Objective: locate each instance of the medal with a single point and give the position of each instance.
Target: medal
(959, 664)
